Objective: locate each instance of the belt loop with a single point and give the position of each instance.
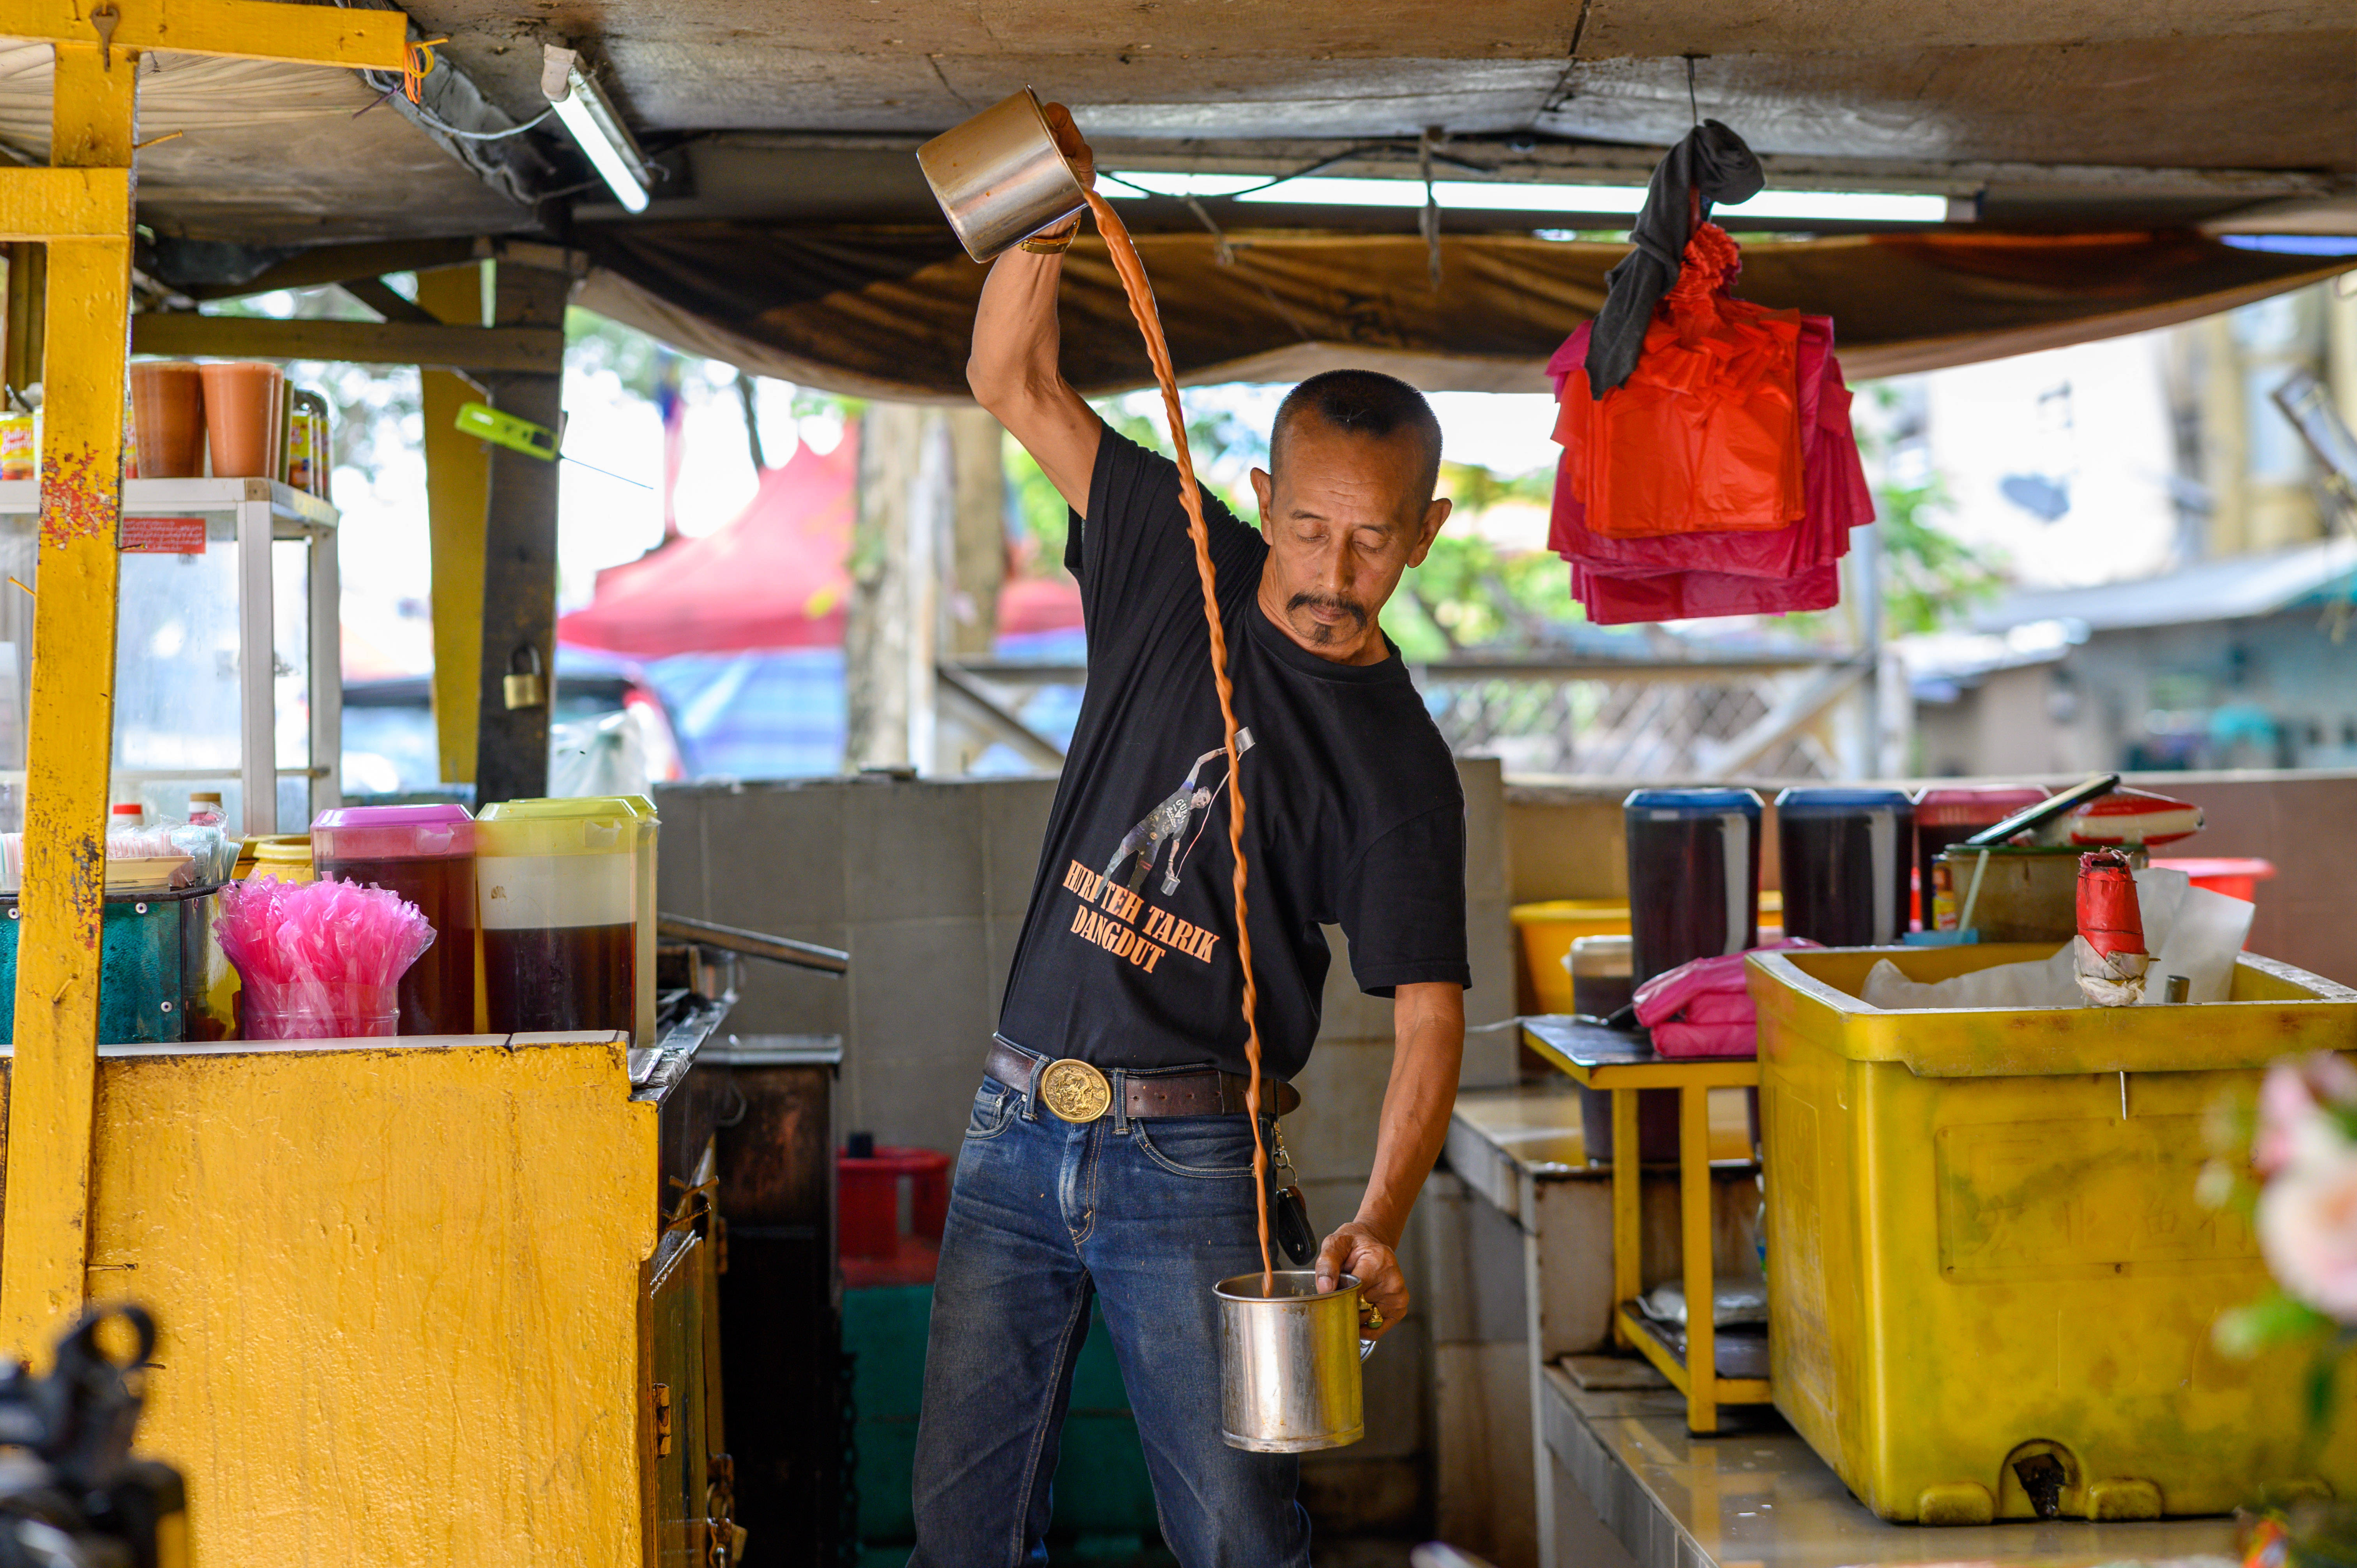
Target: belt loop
(1121, 1102)
(1028, 1089)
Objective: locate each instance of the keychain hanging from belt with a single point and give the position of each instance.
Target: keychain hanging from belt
(1289, 1207)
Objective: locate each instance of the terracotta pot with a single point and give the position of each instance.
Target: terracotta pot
(244, 419)
(167, 416)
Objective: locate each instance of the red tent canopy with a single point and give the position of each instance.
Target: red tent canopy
(772, 576)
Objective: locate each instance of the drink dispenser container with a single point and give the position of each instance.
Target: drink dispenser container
(1693, 876)
(554, 882)
(1845, 855)
(642, 881)
(1953, 813)
(425, 854)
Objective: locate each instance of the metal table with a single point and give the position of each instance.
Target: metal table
(1620, 1064)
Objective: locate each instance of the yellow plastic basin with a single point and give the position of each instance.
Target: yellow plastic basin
(1984, 1245)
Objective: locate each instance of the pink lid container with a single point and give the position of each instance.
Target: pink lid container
(394, 833)
(1973, 805)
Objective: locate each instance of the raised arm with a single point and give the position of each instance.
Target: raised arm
(1012, 369)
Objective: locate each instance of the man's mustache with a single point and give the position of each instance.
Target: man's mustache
(1327, 602)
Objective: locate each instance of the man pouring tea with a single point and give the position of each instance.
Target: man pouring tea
(1109, 1158)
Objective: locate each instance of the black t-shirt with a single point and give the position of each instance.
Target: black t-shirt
(1353, 813)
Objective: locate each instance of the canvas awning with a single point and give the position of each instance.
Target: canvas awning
(776, 575)
(771, 576)
(889, 312)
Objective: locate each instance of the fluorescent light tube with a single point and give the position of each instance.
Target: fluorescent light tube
(1502, 196)
(602, 136)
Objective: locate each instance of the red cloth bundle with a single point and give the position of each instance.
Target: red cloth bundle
(1632, 571)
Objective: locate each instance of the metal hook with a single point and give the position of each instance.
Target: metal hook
(1693, 105)
(103, 20)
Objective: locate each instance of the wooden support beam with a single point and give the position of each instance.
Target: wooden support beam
(244, 29)
(50, 204)
(522, 349)
(458, 502)
(324, 265)
(389, 303)
(519, 551)
(44, 1249)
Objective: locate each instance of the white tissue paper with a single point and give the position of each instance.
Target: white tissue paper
(2040, 982)
(2189, 930)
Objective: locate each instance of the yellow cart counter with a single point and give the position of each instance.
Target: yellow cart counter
(439, 1300)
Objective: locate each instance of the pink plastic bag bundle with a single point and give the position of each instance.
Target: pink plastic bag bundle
(1702, 1007)
(1685, 575)
(318, 961)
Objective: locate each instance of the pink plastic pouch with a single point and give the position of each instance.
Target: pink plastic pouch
(1702, 1007)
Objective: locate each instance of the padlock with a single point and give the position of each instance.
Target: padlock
(523, 686)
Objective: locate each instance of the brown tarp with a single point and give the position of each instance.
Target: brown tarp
(888, 313)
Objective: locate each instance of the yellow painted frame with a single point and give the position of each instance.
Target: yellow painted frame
(242, 30)
(1695, 1374)
(83, 207)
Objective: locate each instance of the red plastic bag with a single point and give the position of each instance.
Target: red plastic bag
(1618, 599)
(1834, 484)
(1706, 436)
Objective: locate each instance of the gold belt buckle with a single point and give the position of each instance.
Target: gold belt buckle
(1074, 1091)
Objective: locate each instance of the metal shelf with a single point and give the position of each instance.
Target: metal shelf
(264, 510)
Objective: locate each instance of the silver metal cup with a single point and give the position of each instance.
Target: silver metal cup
(1000, 177)
(1289, 1363)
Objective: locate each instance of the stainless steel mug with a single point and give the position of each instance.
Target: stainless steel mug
(1000, 177)
(1289, 1363)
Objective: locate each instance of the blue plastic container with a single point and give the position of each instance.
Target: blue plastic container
(1693, 876)
(1848, 854)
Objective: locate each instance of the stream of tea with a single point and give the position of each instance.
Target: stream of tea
(1190, 496)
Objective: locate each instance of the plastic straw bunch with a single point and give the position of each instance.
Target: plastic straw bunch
(318, 960)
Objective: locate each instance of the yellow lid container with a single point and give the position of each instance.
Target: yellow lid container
(287, 856)
(1984, 1242)
(1548, 930)
(566, 890)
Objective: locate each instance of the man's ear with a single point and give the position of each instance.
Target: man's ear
(1434, 516)
(1265, 487)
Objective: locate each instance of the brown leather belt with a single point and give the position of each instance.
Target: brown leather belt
(1078, 1091)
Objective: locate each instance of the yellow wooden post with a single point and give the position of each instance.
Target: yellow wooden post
(457, 507)
(86, 219)
(1627, 1210)
(1695, 1232)
(69, 723)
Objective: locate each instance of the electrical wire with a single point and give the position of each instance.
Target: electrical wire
(434, 121)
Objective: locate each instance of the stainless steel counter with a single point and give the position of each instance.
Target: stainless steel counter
(1762, 1499)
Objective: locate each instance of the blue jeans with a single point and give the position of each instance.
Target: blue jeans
(1044, 1216)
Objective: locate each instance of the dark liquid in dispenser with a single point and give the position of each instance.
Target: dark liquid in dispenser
(438, 994)
(1834, 894)
(1678, 896)
(562, 977)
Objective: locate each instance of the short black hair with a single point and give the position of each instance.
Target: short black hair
(1363, 403)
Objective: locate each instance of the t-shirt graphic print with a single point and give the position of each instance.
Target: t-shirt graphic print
(1353, 812)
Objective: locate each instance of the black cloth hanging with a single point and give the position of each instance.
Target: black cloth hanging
(1712, 163)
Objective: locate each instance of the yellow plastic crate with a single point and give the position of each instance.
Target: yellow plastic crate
(1548, 930)
(1984, 1246)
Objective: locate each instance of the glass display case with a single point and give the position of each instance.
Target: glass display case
(227, 664)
